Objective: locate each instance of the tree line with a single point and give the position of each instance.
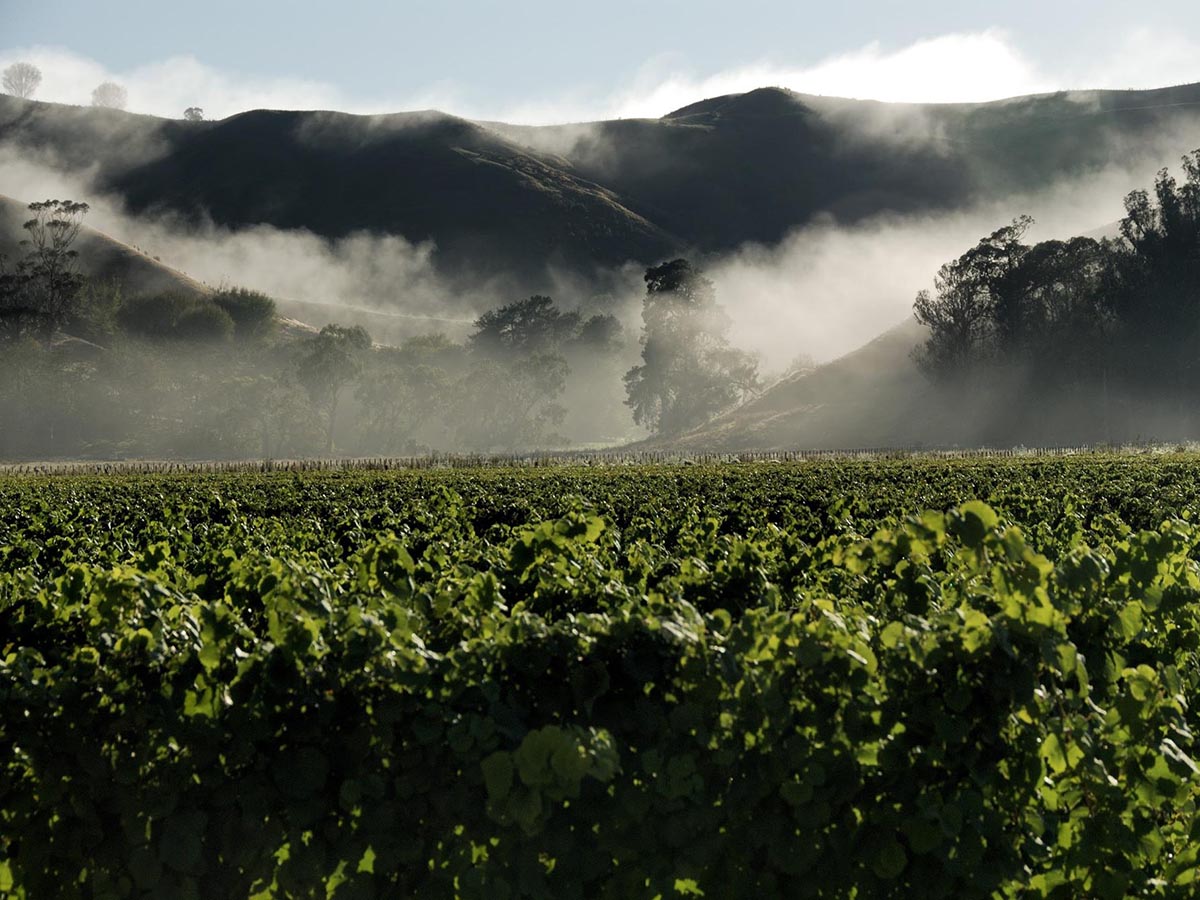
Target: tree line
(1107, 323)
(86, 369)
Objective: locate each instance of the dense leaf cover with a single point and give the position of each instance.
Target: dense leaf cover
(737, 681)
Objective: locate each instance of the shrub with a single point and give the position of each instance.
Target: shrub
(152, 316)
(204, 322)
(252, 312)
(175, 316)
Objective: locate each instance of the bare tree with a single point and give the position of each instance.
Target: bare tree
(110, 95)
(194, 114)
(21, 79)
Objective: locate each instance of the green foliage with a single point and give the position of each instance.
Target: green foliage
(736, 682)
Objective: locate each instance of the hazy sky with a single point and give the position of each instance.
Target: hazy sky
(541, 61)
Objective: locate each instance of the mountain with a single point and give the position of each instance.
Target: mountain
(504, 199)
(750, 167)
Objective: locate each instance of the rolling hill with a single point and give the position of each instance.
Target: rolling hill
(503, 199)
(106, 260)
(871, 397)
(102, 258)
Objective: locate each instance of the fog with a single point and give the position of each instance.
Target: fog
(823, 291)
(827, 288)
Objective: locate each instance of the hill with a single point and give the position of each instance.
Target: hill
(709, 177)
(102, 258)
(106, 260)
(871, 397)
(489, 204)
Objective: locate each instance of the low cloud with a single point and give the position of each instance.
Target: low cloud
(969, 66)
(392, 279)
(827, 289)
(168, 87)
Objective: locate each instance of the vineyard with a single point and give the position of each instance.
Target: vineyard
(826, 678)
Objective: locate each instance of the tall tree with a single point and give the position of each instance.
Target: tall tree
(689, 371)
(977, 303)
(44, 288)
(1155, 289)
(330, 362)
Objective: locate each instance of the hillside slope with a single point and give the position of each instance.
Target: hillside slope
(488, 204)
(101, 257)
(497, 198)
(750, 167)
(872, 397)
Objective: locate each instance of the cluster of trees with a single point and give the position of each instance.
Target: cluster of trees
(22, 79)
(87, 370)
(1109, 322)
(214, 377)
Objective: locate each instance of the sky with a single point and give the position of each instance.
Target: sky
(535, 62)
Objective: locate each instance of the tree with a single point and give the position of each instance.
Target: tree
(330, 361)
(194, 114)
(528, 326)
(511, 405)
(689, 372)
(204, 322)
(602, 335)
(110, 95)
(21, 79)
(1155, 287)
(44, 288)
(976, 303)
(509, 397)
(405, 389)
(253, 312)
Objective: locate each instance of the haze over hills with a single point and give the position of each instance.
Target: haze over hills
(500, 199)
(107, 261)
(872, 397)
(817, 218)
(101, 257)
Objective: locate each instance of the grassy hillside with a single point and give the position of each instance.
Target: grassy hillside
(489, 204)
(749, 167)
(872, 397)
(102, 258)
(506, 199)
